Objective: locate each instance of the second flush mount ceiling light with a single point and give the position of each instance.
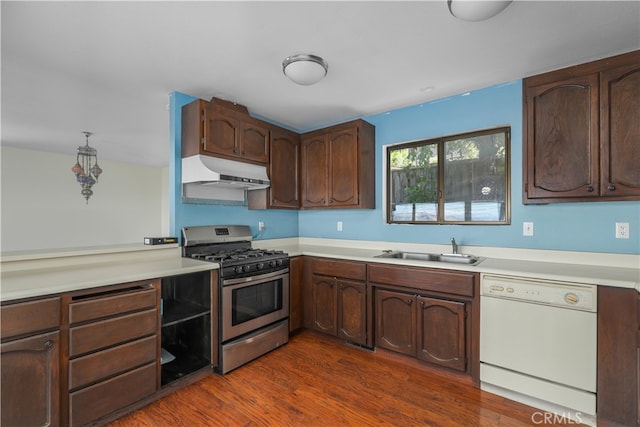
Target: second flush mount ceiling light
(476, 10)
(305, 69)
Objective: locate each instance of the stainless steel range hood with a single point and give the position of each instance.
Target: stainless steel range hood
(216, 178)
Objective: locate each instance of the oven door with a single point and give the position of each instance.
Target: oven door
(250, 303)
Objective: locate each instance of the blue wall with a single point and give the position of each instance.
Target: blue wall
(559, 226)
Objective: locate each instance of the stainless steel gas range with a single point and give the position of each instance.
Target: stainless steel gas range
(253, 291)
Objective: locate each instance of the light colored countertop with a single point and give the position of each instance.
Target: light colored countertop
(589, 268)
(26, 275)
(30, 275)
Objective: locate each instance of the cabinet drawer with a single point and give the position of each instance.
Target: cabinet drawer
(335, 268)
(106, 397)
(105, 304)
(450, 282)
(97, 366)
(105, 333)
(28, 317)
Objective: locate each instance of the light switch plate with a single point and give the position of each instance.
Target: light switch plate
(527, 229)
(339, 226)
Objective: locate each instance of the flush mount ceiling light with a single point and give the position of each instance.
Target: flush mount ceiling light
(476, 10)
(86, 168)
(304, 69)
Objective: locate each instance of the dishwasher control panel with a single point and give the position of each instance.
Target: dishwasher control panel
(578, 296)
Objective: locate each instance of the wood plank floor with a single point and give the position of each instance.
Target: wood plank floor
(316, 381)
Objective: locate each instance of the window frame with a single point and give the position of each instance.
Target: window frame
(441, 141)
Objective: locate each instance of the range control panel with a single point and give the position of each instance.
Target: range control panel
(560, 294)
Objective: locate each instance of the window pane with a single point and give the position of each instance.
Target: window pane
(414, 183)
(456, 179)
(475, 178)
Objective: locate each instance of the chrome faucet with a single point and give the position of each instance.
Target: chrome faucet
(454, 245)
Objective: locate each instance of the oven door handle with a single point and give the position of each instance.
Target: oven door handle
(261, 277)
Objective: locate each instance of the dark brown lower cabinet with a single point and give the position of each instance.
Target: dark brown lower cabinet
(618, 356)
(30, 363)
(335, 295)
(430, 314)
(325, 304)
(295, 293)
(30, 381)
(113, 349)
(103, 398)
(431, 329)
(442, 332)
(396, 321)
(352, 320)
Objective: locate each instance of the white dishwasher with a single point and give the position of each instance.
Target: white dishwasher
(539, 338)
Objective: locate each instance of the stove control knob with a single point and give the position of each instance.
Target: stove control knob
(239, 269)
(279, 262)
(272, 263)
(260, 265)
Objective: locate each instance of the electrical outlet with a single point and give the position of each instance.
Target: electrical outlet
(261, 226)
(339, 226)
(622, 230)
(527, 229)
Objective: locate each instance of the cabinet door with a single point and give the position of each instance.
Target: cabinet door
(220, 133)
(314, 171)
(343, 168)
(352, 311)
(618, 320)
(324, 304)
(295, 294)
(396, 321)
(562, 141)
(441, 332)
(620, 131)
(284, 169)
(254, 141)
(30, 381)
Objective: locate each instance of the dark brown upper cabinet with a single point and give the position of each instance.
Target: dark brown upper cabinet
(224, 129)
(338, 167)
(284, 174)
(328, 168)
(582, 132)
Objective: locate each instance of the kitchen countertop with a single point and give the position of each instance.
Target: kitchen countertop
(30, 275)
(567, 270)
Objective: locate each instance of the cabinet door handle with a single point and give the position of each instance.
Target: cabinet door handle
(611, 187)
(409, 301)
(590, 189)
(48, 344)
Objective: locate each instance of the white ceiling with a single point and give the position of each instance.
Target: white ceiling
(109, 67)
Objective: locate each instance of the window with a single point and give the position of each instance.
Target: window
(459, 179)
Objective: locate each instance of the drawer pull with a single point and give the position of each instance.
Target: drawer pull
(48, 344)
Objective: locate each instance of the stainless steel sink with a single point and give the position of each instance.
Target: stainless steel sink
(419, 256)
